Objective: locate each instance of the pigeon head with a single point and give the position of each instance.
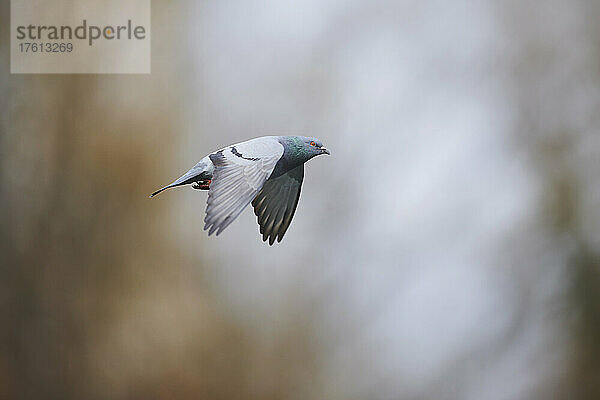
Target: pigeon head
(314, 146)
(308, 147)
(297, 150)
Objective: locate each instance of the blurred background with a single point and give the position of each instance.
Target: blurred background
(448, 249)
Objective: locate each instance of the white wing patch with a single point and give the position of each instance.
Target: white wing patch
(240, 172)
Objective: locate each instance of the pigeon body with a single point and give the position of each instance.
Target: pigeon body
(266, 171)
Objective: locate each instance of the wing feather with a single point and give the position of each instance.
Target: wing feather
(275, 204)
(240, 172)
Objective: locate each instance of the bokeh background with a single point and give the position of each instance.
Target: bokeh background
(448, 249)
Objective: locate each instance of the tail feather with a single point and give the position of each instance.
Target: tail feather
(200, 172)
(172, 185)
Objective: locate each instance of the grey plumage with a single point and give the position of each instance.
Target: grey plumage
(275, 204)
(265, 171)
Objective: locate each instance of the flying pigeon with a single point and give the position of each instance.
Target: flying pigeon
(266, 171)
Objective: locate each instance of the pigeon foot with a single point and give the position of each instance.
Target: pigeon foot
(202, 185)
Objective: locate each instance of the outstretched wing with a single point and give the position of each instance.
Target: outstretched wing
(276, 203)
(240, 172)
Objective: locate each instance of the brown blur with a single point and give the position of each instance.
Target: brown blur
(97, 299)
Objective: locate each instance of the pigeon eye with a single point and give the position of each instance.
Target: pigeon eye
(312, 143)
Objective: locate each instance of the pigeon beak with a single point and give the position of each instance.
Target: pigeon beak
(325, 151)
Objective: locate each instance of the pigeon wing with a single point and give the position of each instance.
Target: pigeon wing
(276, 203)
(240, 172)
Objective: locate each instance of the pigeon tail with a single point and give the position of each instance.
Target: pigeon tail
(172, 185)
(200, 172)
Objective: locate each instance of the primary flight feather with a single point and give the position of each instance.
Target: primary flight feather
(265, 171)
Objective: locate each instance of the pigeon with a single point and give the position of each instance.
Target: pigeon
(266, 171)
